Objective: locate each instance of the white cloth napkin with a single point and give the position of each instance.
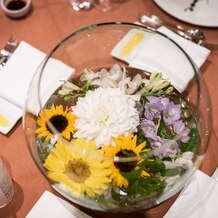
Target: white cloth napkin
(153, 53)
(196, 52)
(51, 206)
(9, 115)
(198, 199)
(15, 79)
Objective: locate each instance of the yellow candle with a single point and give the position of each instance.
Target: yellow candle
(133, 41)
(3, 121)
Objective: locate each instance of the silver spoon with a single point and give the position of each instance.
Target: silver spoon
(155, 21)
(194, 35)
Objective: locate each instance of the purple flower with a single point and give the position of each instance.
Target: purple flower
(157, 143)
(149, 129)
(163, 102)
(180, 129)
(155, 110)
(168, 148)
(172, 113)
(151, 112)
(154, 107)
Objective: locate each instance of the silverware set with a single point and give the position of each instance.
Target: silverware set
(195, 35)
(7, 51)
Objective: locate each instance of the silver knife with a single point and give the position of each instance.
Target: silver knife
(7, 51)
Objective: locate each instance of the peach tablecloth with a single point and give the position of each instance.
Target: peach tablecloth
(48, 23)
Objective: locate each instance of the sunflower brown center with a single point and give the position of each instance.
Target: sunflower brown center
(77, 170)
(125, 166)
(60, 122)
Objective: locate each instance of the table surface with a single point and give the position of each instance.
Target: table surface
(48, 23)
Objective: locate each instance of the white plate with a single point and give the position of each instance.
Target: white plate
(204, 13)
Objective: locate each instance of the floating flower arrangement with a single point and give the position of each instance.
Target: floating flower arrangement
(126, 136)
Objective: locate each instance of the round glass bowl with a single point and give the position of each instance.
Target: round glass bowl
(117, 117)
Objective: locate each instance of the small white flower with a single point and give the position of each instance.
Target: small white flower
(104, 114)
(116, 77)
(154, 83)
(110, 78)
(116, 73)
(68, 87)
(88, 75)
(185, 161)
(130, 86)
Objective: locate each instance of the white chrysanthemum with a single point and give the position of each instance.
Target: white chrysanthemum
(104, 114)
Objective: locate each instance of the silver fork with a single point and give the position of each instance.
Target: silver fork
(194, 35)
(7, 51)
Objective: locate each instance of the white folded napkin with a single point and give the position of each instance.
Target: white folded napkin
(16, 75)
(9, 115)
(152, 53)
(196, 52)
(198, 199)
(15, 79)
(51, 206)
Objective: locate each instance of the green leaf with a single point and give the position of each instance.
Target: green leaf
(193, 141)
(132, 176)
(141, 138)
(153, 165)
(145, 186)
(164, 131)
(142, 189)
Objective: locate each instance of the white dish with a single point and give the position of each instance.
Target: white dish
(204, 13)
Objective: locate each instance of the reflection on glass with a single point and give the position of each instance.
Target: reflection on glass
(78, 5)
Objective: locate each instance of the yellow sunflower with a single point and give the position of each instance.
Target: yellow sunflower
(80, 167)
(125, 148)
(63, 121)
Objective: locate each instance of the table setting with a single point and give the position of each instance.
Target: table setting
(52, 124)
(26, 59)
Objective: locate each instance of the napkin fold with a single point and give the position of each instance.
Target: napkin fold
(15, 79)
(198, 199)
(154, 53)
(51, 206)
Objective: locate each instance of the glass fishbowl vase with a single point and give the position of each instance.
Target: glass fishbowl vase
(117, 117)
